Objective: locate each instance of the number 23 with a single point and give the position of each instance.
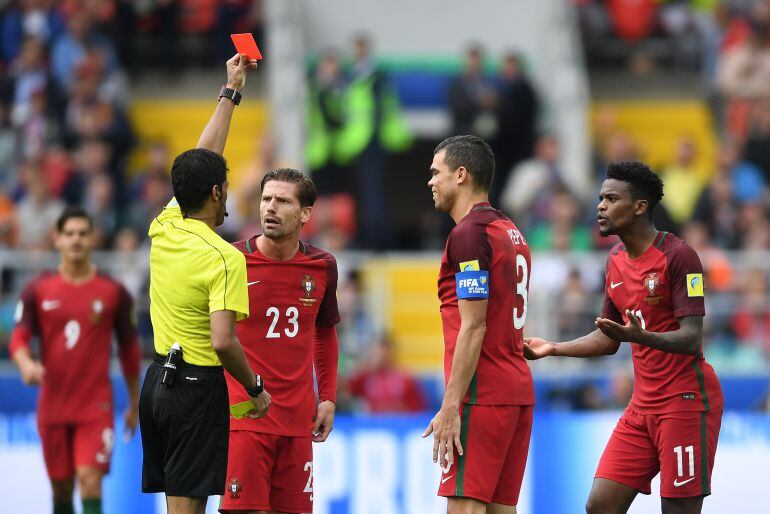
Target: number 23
(292, 315)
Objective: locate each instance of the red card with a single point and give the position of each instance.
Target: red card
(246, 45)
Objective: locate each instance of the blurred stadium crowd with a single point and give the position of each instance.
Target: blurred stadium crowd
(66, 138)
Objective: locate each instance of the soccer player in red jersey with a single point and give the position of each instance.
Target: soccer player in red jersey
(291, 332)
(481, 433)
(74, 313)
(654, 299)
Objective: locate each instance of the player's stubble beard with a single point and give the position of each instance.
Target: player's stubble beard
(281, 231)
(444, 201)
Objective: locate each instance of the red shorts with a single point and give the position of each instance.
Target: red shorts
(268, 472)
(70, 446)
(679, 445)
(495, 441)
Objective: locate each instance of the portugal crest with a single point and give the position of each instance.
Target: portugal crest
(234, 488)
(651, 283)
(308, 286)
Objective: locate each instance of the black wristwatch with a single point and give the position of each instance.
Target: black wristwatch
(257, 388)
(231, 94)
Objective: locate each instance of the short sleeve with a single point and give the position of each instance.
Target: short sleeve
(328, 312)
(609, 310)
(229, 289)
(470, 254)
(685, 276)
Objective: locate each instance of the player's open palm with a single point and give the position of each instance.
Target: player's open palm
(32, 372)
(237, 67)
(445, 427)
(629, 332)
(536, 348)
(261, 404)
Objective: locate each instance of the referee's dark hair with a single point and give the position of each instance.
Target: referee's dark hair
(306, 192)
(643, 183)
(474, 154)
(70, 212)
(193, 174)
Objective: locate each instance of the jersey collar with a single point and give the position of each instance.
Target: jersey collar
(482, 206)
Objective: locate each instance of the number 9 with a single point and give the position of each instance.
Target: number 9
(71, 333)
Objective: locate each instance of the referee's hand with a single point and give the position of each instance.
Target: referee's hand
(261, 404)
(237, 66)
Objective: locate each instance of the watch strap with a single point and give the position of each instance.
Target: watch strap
(231, 94)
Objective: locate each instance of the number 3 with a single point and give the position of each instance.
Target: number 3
(521, 290)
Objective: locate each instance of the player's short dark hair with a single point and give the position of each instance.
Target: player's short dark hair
(306, 192)
(474, 154)
(193, 174)
(643, 183)
(70, 212)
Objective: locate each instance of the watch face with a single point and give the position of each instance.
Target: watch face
(259, 381)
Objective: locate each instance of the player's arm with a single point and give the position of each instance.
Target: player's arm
(129, 356)
(473, 328)
(594, 344)
(446, 424)
(215, 133)
(685, 340)
(325, 357)
(26, 328)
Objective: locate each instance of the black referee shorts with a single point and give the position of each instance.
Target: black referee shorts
(185, 431)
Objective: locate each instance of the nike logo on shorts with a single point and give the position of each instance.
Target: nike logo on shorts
(613, 285)
(445, 479)
(252, 283)
(677, 483)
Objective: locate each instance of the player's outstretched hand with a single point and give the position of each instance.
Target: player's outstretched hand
(630, 332)
(237, 67)
(445, 427)
(536, 348)
(32, 372)
(261, 404)
(324, 421)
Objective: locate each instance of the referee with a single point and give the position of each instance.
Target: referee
(197, 293)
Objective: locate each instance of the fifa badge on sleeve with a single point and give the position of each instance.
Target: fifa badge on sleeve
(694, 285)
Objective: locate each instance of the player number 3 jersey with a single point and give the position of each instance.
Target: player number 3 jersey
(486, 257)
(661, 285)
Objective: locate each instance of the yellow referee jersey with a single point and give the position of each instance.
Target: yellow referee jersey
(193, 272)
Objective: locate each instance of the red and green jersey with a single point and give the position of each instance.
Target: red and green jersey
(290, 303)
(75, 324)
(660, 286)
(486, 257)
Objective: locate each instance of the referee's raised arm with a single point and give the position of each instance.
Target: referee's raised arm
(197, 293)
